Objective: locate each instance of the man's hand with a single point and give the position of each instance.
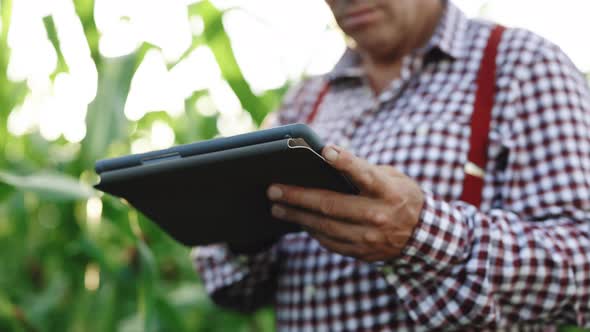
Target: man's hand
(372, 226)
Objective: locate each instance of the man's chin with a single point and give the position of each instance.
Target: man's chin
(370, 43)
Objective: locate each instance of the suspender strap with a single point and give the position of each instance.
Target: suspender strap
(318, 102)
(480, 121)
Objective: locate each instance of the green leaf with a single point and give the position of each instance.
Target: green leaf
(49, 185)
(6, 307)
(85, 11)
(264, 320)
(168, 315)
(11, 93)
(570, 328)
(105, 120)
(148, 261)
(53, 38)
(132, 323)
(189, 294)
(41, 305)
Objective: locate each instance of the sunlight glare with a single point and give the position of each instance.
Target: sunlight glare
(147, 85)
(74, 47)
(141, 145)
(275, 42)
(195, 72)
(93, 211)
(71, 108)
(567, 18)
(224, 98)
(119, 35)
(126, 24)
(23, 118)
(92, 277)
(273, 45)
(234, 124)
(205, 106)
(27, 39)
(197, 25)
(172, 33)
(162, 136)
(333, 40)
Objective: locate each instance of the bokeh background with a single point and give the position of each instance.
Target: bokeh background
(84, 80)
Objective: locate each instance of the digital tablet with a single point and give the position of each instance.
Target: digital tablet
(215, 190)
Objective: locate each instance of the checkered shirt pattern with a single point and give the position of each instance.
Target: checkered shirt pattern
(521, 261)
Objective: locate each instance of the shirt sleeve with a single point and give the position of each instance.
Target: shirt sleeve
(246, 282)
(530, 259)
(240, 282)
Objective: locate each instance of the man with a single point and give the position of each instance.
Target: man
(409, 252)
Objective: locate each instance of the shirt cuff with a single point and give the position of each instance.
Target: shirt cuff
(440, 240)
(439, 243)
(441, 237)
(218, 267)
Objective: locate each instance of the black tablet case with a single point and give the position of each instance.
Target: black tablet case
(221, 196)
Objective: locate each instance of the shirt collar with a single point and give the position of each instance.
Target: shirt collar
(448, 37)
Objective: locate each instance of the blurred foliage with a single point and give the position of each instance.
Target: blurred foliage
(61, 272)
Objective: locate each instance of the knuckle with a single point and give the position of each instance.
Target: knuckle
(396, 209)
(323, 226)
(369, 215)
(346, 158)
(371, 238)
(327, 206)
(374, 216)
(368, 176)
(395, 195)
(348, 162)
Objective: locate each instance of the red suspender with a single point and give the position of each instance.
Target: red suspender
(318, 102)
(480, 119)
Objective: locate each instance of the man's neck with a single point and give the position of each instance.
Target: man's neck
(380, 74)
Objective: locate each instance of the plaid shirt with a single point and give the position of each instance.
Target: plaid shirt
(521, 260)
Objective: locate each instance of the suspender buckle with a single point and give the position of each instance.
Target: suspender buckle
(474, 170)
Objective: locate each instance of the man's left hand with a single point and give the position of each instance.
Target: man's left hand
(372, 226)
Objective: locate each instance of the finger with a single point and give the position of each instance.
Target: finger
(367, 177)
(335, 230)
(352, 208)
